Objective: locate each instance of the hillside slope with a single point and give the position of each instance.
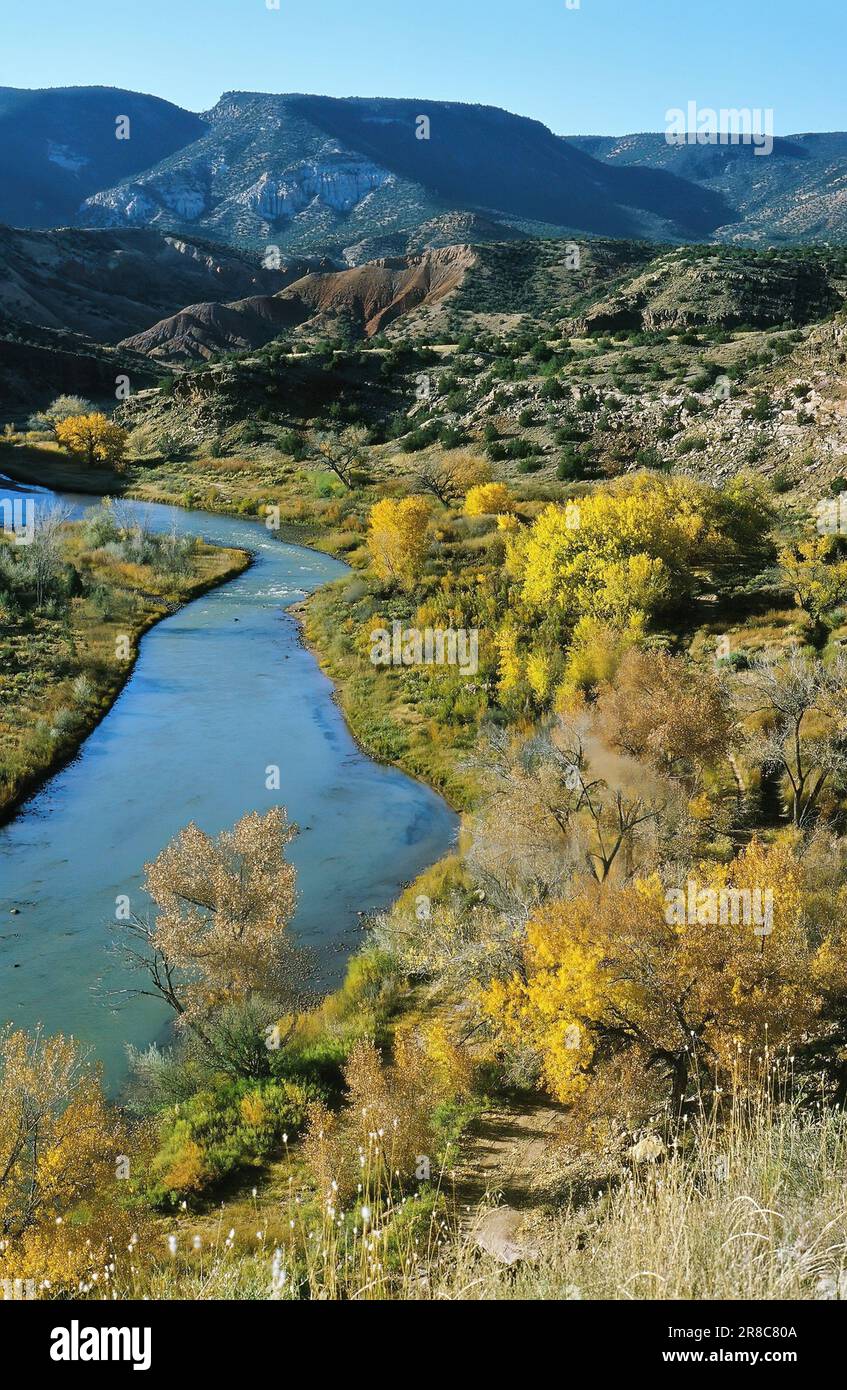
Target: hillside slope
(59, 145)
(306, 171)
(365, 299)
(109, 284)
(796, 194)
(706, 360)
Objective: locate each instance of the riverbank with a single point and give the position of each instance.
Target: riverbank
(64, 667)
(46, 465)
(377, 710)
(386, 724)
(305, 504)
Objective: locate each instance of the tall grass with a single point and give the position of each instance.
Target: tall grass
(751, 1207)
(755, 1208)
(379, 1243)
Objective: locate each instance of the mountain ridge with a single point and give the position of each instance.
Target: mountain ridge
(305, 171)
(58, 145)
(349, 177)
(798, 194)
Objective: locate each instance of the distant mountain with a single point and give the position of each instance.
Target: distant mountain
(307, 172)
(60, 145)
(350, 179)
(619, 287)
(798, 193)
(716, 288)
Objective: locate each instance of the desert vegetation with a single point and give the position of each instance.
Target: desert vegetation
(639, 935)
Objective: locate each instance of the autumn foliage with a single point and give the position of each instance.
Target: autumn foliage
(487, 499)
(631, 549)
(612, 973)
(61, 1183)
(224, 904)
(397, 538)
(94, 437)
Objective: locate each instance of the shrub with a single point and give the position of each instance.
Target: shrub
(569, 468)
(420, 439)
(61, 408)
(649, 458)
(221, 1131)
(782, 480)
(488, 499)
(760, 410)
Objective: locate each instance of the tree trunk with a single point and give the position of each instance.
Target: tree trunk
(680, 1082)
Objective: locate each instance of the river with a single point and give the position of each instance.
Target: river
(221, 690)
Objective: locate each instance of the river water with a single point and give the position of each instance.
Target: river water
(221, 690)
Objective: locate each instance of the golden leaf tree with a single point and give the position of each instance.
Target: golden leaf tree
(60, 1151)
(816, 571)
(489, 499)
(632, 549)
(94, 437)
(397, 538)
(682, 978)
(221, 933)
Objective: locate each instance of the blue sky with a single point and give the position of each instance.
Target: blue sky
(606, 67)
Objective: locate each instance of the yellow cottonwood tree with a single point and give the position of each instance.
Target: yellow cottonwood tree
(93, 436)
(511, 666)
(540, 674)
(622, 968)
(60, 1148)
(816, 573)
(397, 538)
(489, 499)
(629, 549)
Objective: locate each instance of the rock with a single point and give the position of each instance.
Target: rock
(649, 1149)
(337, 182)
(497, 1233)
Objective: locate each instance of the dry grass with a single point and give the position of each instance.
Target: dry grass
(752, 1210)
(756, 1210)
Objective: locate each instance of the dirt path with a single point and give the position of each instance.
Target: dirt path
(516, 1156)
